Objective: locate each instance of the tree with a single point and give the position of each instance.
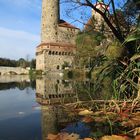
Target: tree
(124, 23)
(33, 64)
(7, 62)
(88, 48)
(115, 26)
(22, 63)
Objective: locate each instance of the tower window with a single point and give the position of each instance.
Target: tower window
(53, 53)
(49, 53)
(58, 67)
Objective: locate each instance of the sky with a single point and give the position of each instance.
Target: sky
(19, 28)
(20, 22)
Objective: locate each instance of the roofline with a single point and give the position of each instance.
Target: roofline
(72, 27)
(57, 44)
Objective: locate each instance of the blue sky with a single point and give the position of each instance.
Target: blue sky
(20, 27)
(20, 22)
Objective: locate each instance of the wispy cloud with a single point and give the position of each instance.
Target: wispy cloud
(17, 34)
(16, 44)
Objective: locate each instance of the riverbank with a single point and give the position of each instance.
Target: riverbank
(113, 120)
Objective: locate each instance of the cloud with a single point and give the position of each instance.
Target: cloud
(17, 34)
(15, 44)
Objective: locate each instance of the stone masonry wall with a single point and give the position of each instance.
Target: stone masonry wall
(67, 35)
(51, 57)
(40, 65)
(50, 18)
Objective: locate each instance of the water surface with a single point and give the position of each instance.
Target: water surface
(31, 109)
(19, 115)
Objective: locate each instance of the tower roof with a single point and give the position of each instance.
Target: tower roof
(102, 5)
(63, 23)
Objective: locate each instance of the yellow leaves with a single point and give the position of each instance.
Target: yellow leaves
(114, 137)
(63, 136)
(85, 112)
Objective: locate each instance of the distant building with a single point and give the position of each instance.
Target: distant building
(57, 39)
(96, 22)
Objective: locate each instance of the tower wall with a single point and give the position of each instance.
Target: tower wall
(50, 19)
(67, 35)
(97, 17)
(57, 39)
(52, 56)
(98, 21)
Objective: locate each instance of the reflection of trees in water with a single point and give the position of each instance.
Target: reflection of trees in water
(86, 90)
(20, 85)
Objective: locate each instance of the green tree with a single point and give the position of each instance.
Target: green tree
(22, 63)
(115, 26)
(33, 64)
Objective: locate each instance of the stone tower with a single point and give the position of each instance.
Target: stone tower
(57, 46)
(50, 20)
(98, 20)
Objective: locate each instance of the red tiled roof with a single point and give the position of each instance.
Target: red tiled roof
(63, 23)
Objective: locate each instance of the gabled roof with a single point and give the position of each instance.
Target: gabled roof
(63, 23)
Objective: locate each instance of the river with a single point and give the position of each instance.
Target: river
(30, 109)
(20, 114)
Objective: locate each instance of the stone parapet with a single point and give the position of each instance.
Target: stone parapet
(52, 56)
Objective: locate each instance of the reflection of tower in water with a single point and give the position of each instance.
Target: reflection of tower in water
(50, 93)
(48, 121)
(53, 91)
